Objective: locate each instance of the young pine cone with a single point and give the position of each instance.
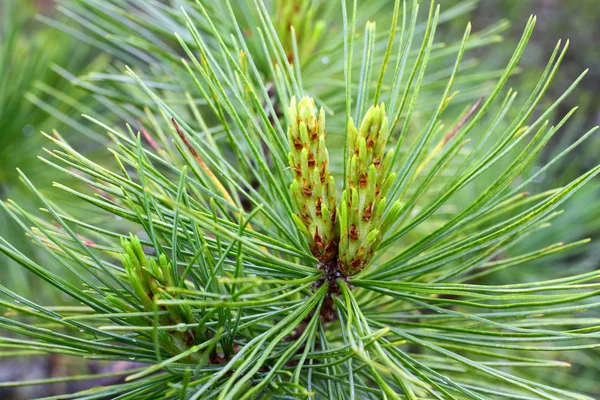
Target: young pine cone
(368, 181)
(149, 279)
(313, 187)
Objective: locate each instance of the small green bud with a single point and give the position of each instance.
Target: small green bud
(379, 208)
(362, 150)
(372, 182)
(392, 215)
(304, 163)
(387, 184)
(166, 270)
(303, 131)
(371, 237)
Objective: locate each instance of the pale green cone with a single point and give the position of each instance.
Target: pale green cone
(313, 187)
(150, 279)
(368, 182)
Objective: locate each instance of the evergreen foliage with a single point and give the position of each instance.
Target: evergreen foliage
(237, 269)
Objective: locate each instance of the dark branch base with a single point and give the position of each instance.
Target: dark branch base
(332, 275)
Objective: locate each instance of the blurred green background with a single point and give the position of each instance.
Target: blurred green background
(35, 97)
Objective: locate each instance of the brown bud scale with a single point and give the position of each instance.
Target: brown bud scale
(367, 212)
(354, 234)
